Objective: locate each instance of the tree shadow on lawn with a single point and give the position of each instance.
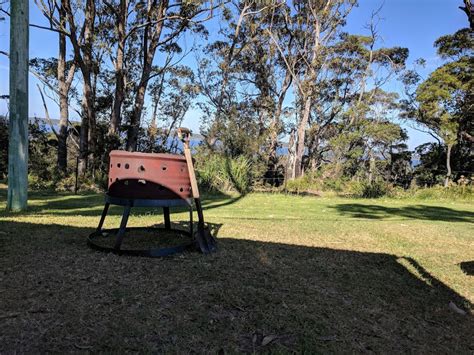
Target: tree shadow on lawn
(57, 295)
(92, 204)
(422, 212)
(467, 267)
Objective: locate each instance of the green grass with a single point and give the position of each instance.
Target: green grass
(292, 274)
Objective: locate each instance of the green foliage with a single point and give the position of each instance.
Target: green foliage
(375, 189)
(459, 44)
(366, 189)
(37, 183)
(41, 152)
(303, 184)
(240, 173)
(439, 96)
(217, 172)
(399, 171)
(66, 184)
(316, 183)
(431, 169)
(443, 104)
(454, 192)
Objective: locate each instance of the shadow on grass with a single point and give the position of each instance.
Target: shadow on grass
(467, 267)
(91, 204)
(60, 296)
(422, 212)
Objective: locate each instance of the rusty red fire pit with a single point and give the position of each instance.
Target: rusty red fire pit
(153, 180)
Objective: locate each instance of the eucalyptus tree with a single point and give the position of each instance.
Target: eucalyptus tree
(161, 25)
(238, 80)
(443, 103)
(311, 25)
(261, 67)
(57, 74)
(468, 9)
(65, 74)
(77, 22)
(172, 94)
(349, 88)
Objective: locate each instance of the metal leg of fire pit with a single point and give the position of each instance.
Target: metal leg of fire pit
(102, 218)
(166, 214)
(119, 233)
(190, 220)
(123, 226)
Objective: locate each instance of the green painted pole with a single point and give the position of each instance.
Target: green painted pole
(18, 122)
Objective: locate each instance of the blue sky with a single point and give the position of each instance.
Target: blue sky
(414, 24)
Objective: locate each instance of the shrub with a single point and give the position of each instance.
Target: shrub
(36, 182)
(375, 189)
(239, 172)
(454, 192)
(297, 185)
(336, 185)
(366, 189)
(219, 173)
(306, 183)
(67, 183)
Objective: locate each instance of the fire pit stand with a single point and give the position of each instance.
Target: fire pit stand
(119, 233)
(151, 180)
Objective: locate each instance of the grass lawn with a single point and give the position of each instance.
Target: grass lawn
(292, 274)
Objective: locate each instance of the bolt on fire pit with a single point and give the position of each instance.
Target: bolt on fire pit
(154, 180)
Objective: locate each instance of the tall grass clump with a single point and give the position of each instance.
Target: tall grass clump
(366, 189)
(219, 173)
(453, 192)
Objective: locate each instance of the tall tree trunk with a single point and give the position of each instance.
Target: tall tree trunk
(275, 124)
(63, 104)
(371, 166)
(88, 134)
(315, 154)
(84, 59)
(308, 100)
(448, 165)
(148, 55)
(86, 64)
(116, 118)
(83, 140)
(93, 137)
(290, 166)
(300, 138)
(64, 84)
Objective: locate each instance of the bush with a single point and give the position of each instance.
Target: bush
(454, 192)
(219, 173)
(36, 182)
(239, 172)
(306, 183)
(375, 189)
(66, 184)
(366, 189)
(336, 185)
(298, 185)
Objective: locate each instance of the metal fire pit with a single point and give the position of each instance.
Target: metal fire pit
(146, 180)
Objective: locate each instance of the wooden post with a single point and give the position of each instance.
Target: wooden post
(18, 122)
